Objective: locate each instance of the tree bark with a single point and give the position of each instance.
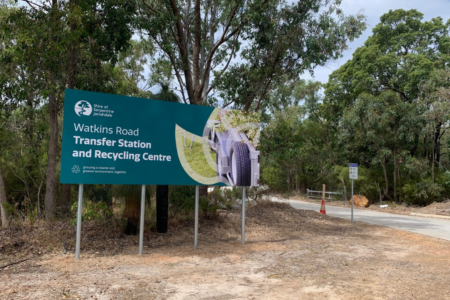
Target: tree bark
(52, 153)
(132, 224)
(395, 177)
(3, 199)
(65, 199)
(437, 144)
(53, 124)
(432, 163)
(184, 53)
(162, 208)
(132, 213)
(196, 52)
(386, 189)
(66, 188)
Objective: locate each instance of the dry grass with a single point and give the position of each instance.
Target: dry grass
(107, 238)
(289, 254)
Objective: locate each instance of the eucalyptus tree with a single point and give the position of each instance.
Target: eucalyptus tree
(400, 56)
(64, 44)
(435, 101)
(247, 44)
(3, 138)
(162, 191)
(408, 57)
(379, 128)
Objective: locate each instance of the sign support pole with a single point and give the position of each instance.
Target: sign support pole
(79, 214)
(196, 217)
(352, 201)
(141, 225)
(243, 217)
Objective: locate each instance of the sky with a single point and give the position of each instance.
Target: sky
(374, 9)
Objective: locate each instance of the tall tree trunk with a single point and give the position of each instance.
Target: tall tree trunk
(162, 208)
(109, 200)
(66, 188)
(432, 163)
(343, 185)
(132, 213)
(399, 183)
(52, 153)
(386, 181)
(203, 191)
(437, 144)
(50, 185)
(395, 177)
(3, 200)
(65, 199)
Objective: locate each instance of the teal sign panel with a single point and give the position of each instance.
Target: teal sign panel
(111, 139)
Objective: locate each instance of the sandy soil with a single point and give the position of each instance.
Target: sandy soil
(436, 208)
(289, 254)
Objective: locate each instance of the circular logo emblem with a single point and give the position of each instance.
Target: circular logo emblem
(76, 169)
(83, 108)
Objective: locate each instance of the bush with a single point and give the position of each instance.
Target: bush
(91, 211)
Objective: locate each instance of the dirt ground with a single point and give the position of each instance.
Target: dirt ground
(289, 254)
(436, 208)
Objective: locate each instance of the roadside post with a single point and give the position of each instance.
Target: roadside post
(141, 226)
(196, 217)
(323, 192)
(243, 217)
(79, 214)
(353, 171)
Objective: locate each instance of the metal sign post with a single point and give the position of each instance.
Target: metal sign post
(196, 218)
(243, 217)
(141, 226)
(79, 215)
(352, 201)
(353, 172)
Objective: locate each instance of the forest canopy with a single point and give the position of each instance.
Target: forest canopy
(387, 108)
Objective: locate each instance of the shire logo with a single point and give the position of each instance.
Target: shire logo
(83, 108)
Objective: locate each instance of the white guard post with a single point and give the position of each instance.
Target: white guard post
(243, 217)
(79, 214)
(141, 226)
(196, 217)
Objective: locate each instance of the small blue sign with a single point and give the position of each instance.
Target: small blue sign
(353, 165)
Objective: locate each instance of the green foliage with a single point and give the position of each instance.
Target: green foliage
(181, 198)
(32, 216)
(10, 211)
(246, 122)
(90, 211)
(387, 109)
(294, 152)
(165, 94)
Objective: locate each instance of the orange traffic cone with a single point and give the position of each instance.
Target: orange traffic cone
(322, 208)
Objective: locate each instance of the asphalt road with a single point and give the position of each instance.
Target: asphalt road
(439, 228)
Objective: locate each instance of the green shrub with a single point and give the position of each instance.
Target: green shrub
(91, 211)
